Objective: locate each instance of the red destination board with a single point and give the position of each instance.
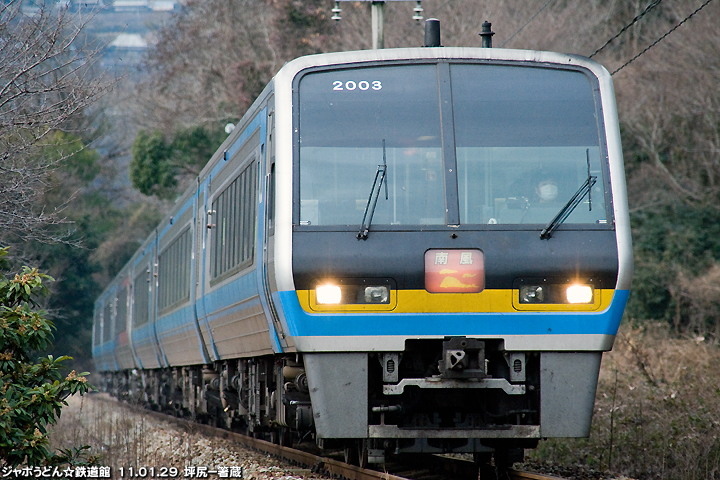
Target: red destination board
(454, 271)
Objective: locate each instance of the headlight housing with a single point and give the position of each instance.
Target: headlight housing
(377, 294)
(550, 292)
(351, 293)
(532, 294)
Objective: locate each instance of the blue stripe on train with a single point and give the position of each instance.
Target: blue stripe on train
(302, 323)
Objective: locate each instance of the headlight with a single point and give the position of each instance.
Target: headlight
(579, 294)
(554, 291)
(377, 294)
(532, 294)
(328, 294)
(342, 291)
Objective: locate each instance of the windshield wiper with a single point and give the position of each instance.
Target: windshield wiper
(565, 212)
(373, 198)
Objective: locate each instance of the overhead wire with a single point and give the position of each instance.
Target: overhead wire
(526, 23)
(652, 5)
(521, 28)
(441, 6)
(663, 37)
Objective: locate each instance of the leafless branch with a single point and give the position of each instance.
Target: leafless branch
(46, 80)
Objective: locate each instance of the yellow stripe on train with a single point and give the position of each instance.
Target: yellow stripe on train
(421, 301)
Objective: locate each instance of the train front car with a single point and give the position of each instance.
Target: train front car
(460, 247)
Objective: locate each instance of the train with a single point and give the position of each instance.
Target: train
(398, 251)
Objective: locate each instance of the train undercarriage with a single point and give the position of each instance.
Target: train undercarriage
(452, 395)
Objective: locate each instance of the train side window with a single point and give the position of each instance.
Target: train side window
(97, 334)
(121, 314)
(142, 299)
(107, 319)
(271, 200)
(233, 243)
(174, 271)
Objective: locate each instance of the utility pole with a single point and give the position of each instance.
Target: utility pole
(378, 25)
(378, 18)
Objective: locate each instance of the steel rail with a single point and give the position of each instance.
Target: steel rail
(319, 464)
(324, 464)
(520, 475)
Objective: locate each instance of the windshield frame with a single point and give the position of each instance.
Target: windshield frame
(449, 151)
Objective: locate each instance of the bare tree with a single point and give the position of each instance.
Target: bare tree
(670, 104)
(213, 59)
(207, 65)
(46, 80)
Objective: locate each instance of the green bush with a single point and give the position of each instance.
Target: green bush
(677, 253)
(32, 394)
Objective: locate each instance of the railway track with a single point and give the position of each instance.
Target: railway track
(431, 468)
(520, 475)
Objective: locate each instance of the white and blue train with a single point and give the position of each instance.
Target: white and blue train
(404, 250)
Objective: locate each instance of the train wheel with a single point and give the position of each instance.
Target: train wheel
(504, 460)
(486, 470)
(362, 453)
(286, 437)
(356, 453)
(351, 454)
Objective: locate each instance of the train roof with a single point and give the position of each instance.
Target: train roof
(435, 53)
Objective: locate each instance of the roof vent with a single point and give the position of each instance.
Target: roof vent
(486, 35)
(432, 32)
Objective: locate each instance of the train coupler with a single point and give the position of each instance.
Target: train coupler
(462, 358)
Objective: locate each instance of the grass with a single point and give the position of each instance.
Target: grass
(657, 416)
(119, 437)
(657, 410)
(130, 438)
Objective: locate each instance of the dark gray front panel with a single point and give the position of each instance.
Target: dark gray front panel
(339, 392)
(568, 382)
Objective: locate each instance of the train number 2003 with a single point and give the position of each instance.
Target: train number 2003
(361, 85)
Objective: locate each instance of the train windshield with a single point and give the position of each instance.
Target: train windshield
(345, 118)
(514, 145)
